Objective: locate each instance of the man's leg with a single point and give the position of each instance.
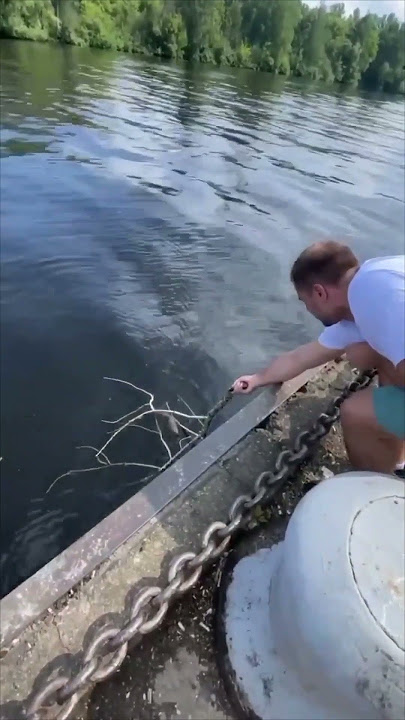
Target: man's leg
(362, 356)
(369, 446)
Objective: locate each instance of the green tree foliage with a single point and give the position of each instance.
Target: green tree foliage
(283, 36)
(309, 57)
(386, 70)
(284, 19)
(28, 19)
(365, 33)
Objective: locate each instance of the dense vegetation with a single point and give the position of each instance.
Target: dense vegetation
(281, 36)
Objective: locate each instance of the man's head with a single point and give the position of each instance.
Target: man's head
(321, 275)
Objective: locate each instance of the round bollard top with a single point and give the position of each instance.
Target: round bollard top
(376, 552)
(340, 589)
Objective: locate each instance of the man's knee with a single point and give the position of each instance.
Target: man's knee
(362, 356)
(358, 409)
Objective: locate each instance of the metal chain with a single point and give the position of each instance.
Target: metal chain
(203, 432)
(214, 411)
(57, 697)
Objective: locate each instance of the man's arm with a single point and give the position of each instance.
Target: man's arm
(287, 366)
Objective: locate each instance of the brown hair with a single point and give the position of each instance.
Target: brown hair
(323, 262)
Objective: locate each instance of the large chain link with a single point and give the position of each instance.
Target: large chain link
(57, 697)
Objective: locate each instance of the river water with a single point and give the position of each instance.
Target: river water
(149, 217)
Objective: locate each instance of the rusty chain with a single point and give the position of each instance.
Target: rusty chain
(58, 696)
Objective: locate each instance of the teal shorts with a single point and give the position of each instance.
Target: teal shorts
(389, 407)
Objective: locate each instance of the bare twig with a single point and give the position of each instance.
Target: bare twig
(162, 439)
(142, 427)
(126, 382)
(124, 417)
(177, 454)
(132, 419)
(100, 467)
(178, 424)
(90, 447)
(187, 430)
(189, 408)
(143, 414)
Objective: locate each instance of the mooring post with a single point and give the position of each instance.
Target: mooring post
(314, 625)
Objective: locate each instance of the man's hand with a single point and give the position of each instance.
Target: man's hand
(287, 366)
(246, 384)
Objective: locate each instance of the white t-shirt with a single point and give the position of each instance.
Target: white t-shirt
(377, 301)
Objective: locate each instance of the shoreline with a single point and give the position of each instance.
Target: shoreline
(320, 83)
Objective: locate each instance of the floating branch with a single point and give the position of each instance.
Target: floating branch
(174, 432)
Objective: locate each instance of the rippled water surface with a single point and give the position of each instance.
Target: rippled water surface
(149, 217)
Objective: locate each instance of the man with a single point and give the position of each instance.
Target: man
(363, 310)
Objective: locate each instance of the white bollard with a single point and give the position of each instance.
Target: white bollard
(315, 625)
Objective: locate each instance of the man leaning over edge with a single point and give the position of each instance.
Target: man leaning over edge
(363, 310)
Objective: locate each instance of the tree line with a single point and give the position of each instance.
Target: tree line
(281, 36)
